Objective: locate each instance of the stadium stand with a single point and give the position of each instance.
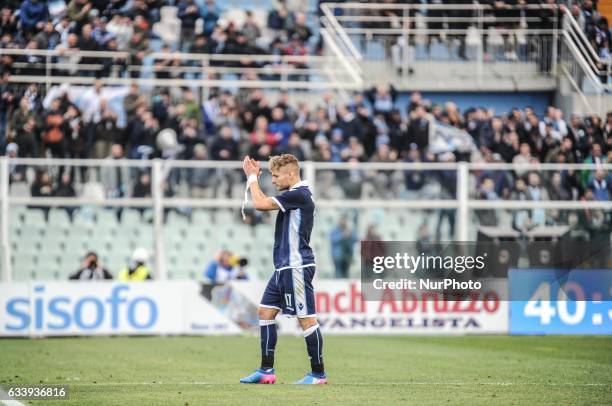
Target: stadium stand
(143, 122)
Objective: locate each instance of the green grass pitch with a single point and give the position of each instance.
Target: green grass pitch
(466, 370)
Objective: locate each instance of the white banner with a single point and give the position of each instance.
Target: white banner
(99, 308)
(177, 307)
(341, 310)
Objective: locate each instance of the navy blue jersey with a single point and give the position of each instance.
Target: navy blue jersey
(293, 228)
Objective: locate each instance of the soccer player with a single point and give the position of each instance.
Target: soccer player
(290, 288)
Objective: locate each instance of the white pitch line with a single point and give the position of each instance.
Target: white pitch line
(351, 384)
(4, 395)
(12, 403)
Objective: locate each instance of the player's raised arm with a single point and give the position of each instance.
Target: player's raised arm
(260, 200)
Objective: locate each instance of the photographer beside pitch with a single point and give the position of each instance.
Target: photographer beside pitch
(290, 288)
(91, 269)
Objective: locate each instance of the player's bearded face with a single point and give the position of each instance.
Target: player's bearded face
(282, 178)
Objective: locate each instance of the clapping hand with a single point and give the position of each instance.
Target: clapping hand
(251, 167)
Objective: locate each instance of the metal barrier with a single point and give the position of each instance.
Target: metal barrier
(191, 70)
(531, 39)
(514, 42)
(414, 33)
(598, 69)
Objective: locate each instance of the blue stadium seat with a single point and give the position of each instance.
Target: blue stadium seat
(58, 217)
(23, 267)
(34, 217)
(439, 51)
(130, 216)
(17, 214)
(201, 217)
(32, 231)
(106, 218)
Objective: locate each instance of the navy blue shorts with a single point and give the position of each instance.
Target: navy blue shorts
(291, 292)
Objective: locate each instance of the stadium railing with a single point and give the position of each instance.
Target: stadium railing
(341, 189)
(462, 47)
(586, 71)
(598, 68)
(432, 36)
(195, 70)
(428, 33)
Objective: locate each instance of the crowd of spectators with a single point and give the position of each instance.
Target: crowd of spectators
(227, 126)
(503, 37)
(129, 26)
(122, 25)
(176, 124)
(136, 270)
(371, 127)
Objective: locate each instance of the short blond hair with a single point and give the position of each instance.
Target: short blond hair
(284, 160)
